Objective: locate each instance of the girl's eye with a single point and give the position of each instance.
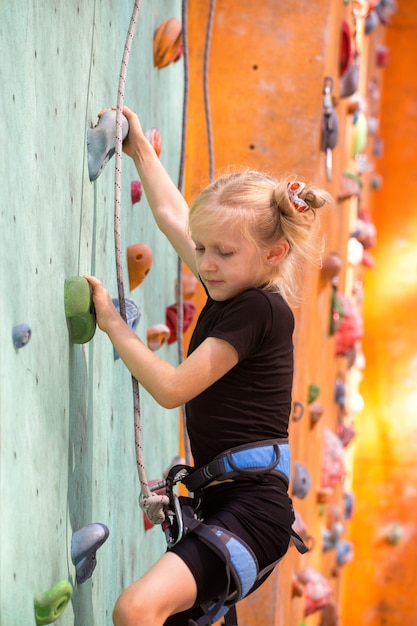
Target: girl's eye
(199, 249)
(226, 253)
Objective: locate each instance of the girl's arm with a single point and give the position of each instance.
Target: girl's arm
(168, 205)
(170, 386)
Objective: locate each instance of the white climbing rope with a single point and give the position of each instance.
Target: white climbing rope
(206, 90)
(180, 297)
(152, 504)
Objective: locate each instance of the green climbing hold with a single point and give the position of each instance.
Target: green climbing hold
(79, 309)
(50, 604)
(313, 392)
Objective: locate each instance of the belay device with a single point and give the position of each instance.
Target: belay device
(181, 518)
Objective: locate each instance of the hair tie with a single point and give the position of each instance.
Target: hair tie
(294, 190)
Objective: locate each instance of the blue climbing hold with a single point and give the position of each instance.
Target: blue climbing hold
(101, 142)
(21, 335)
(84, 545)
(133, 314)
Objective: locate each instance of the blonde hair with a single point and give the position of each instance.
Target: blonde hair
(261, 207)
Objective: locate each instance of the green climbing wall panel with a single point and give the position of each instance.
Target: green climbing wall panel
(67, 455)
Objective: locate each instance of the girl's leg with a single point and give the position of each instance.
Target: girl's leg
(168, 587)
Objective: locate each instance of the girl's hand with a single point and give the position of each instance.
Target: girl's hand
(106, 312)
(135, 134)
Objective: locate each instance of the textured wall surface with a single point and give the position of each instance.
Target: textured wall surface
(67, 439)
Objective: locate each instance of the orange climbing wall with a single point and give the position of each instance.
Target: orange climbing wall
(380, 585)
(266, 67)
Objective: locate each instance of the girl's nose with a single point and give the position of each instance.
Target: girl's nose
(207, 262)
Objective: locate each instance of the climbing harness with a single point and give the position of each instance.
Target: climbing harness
(182, 517)
(266, 457)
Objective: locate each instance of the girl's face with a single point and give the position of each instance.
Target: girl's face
(227, 262)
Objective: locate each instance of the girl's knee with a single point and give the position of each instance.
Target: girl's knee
(130, 611)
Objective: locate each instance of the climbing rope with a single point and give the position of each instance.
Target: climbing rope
(152, 503)
(205, 88)
(180, 297)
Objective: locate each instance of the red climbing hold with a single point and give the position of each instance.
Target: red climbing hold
(135, 191)
(172, 316)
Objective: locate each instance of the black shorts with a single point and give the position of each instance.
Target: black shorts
(258, 511)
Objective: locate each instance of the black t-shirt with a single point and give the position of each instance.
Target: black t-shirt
(252, 402)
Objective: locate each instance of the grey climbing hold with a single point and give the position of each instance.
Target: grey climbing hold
(84, 544)
(301, 481)
(101, 142)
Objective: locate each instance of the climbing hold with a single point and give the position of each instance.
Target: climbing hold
(317, 590)
(394, 533)
(345, 47)
(351, 328)
(333, 464)
(331, 267)
(313, 392)
(139, 262)
(336, 312)
(50, 604)
(154, 137)
(167, 43)
(349, 81)
(359, 134)
(133, 315)
(340, 392)
(382, 56)
(344, 552)
(298, 411)
(157, 336)
(346, 433)
(21, 335)
(101, 142)
(301, 481)
(334, 527)
(371, 22)
(135, 191)
(79, 309)
(349, 502)
(376, 181)
(84, 544)
(316, 411)
(172, 315)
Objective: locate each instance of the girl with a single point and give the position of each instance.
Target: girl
(245, 237)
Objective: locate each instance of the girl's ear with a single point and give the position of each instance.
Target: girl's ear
(278, 252)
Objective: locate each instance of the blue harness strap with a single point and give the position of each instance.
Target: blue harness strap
(254, 459)
(241, 568)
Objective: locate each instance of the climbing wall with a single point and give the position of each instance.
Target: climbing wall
(266, 103)
(265, 106)
(67, 455)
